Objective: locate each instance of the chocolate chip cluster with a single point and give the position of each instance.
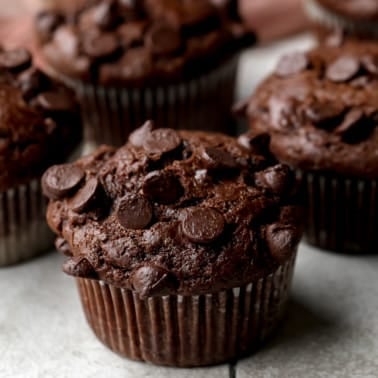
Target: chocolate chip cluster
(353, 123)
(39, 120)
(131, 41)
(174, 212)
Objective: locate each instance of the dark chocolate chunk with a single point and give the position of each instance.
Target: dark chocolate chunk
(219, 158)
(56, 101)
(135, 213)
(277, 179)
(31, 82)
(281, 240)
(324, 114)
(152, 280)
(162, 187)
(85, 197)
(258, 144)
(46, 23)
(105, 14)
(138, 136)
(161, 141)
(79, 267)
(351, 120)
(370, 63)
(61, 180)
(292, 64)
(343, 69)
(15, 60)
(162, 39)
(62, 246)
(202, 225)
(102, 45)
(132, 33)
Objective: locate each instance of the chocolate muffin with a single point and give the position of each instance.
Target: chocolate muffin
(357, 18)
(39, 126)
(185, 240)
(320, 109)
(171, 61)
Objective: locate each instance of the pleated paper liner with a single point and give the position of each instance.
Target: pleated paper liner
(342, 212)
(23, 229)
(187, 331)
(326, 21)
(110, 114)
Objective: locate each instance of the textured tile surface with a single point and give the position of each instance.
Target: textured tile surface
(331, 326)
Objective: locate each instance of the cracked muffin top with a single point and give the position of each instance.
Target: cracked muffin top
(174, 212)
(320, 108)
(149, 42)
(39, 119)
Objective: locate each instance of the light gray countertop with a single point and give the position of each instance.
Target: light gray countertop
(330, 329)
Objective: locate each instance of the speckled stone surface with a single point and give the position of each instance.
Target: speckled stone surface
(330, 330)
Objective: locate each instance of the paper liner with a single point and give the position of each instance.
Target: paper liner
(326, 18)
(342, 212)
(23, 229)
(180, 330)
(110, 114)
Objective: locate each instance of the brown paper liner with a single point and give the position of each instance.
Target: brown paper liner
(342, 212)
(326, 21)
(183, 331)
(23, 229)
(110, 114)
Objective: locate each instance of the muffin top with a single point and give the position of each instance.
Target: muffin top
(364, 10)
(321, 109)
(39, 119)
(118, 42)
(174, 212)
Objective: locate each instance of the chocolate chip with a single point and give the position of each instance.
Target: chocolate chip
(105, 15)
(219, 158)
(277, 179)
(138, 136)
(46, 23)
(292, 64)
(56, 101)
(161, 141)
(352, 118)
(324, 114)
(282, 241)
(79, 267)
(370, 63)
(162, 187)
(132, 33)
(86, 196)
(202, 225)
(102, 45)
(61, 180)
(162, 39)
(135, 213)
(152, 280)
(31, 82)
(258, 144)
(62, 246)
(15, 60)
(343, 69)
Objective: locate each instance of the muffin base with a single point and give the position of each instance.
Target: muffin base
(185, 331)
(23, 229)
(326, 19)
(110, 114)
(342, 212)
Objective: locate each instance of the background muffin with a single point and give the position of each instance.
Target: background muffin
(320, 110)
(181, 239)
(354, 17)
(171, 61)
(39, 126)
